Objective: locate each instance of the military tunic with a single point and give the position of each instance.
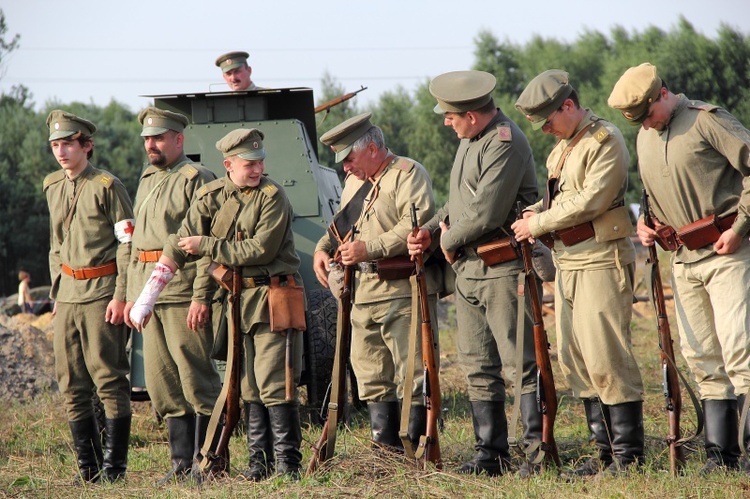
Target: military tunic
(594, 285)
(699, 165)
(89, 352)
(180, 376)
(381, 311)
(490, 173)
(264, 216)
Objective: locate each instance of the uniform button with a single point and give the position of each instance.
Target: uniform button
(616, 228)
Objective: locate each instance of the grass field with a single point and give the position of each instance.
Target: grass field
(37, 460)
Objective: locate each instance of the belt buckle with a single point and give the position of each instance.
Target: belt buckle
(364, 267)
(79, 274)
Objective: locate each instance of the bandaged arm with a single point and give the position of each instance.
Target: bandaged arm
(163, 273)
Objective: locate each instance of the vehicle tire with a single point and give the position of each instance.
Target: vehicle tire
(320, 346)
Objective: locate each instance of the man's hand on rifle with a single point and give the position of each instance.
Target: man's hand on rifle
(353, 252)
(420, 243)
(321, 263)
(521, 227)
(646, 234)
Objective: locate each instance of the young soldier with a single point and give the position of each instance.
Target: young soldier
(91, 223)
(380, 189)
(583, 210)
(181, 379)
(695, 165)
(245, 201)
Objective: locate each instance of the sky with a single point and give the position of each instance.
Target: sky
(94, 51)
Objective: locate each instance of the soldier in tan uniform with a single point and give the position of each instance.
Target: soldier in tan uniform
(245, 201)
(236, 71)
(91, 223)
(583, 211)
(380, 189)
(694, 160)
(493, 169)
(181, 379)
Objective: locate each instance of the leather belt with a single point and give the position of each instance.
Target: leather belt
(255, 282)
(149, 256)
(575, 234)
(91, 272)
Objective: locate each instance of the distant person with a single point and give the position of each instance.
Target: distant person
(236, 71)
(91, 223)
(24, 296)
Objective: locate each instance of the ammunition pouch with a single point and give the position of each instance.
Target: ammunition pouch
(286, 304)
(704, 231)
(395, 268)
(498, 251)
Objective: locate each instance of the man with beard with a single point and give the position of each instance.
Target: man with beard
(236, 71)
(181, 379)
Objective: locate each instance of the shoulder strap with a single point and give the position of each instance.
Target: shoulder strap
(225, 217)
(72, 209)
(152, 191)
(566, 152)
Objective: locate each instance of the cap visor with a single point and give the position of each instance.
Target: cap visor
(438, 109)
(537, 125)
(61, 134)
(342, 154)
(253, 155)
(150, 131)
(227, 69)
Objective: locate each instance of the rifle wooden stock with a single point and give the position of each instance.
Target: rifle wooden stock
(338, 100)
(670, 380)
(546, 393)
(429, 444)
(289, 365)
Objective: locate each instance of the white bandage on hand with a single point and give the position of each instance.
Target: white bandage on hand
(144, 305)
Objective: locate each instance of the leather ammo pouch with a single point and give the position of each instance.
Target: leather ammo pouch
(286, 304)
(612, 224)
(704, 231)
(574, 235)
(395, 268)
(666, 237)
(222, 275)
(497, 251)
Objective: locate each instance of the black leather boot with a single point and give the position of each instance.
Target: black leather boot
(88, 448)
(417, 424)
(385, 419)
(287, 438)
(218, 468)
(182, 447)
(627, 437)
(116, 449)
(491, 432)
(746, 439)
(259, 443)
(722, 438)
(598, 419)
(531, 419)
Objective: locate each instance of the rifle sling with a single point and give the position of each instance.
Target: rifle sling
(72, 208)
(339, 363)
(409, 378)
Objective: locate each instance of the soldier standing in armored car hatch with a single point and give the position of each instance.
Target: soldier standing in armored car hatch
(91, 223)
(236, 71)
(248, 202)
(694, 160)
(181, 379)
(584, 211)
(493, 169)
(378, 195)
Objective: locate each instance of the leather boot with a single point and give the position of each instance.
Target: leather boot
(88, 448)
(384, 425)
(181, 446)
(491, 433)
(220, 467)
(746, 439)
(598, 420)
(116, 449)
(722, 439)
(259, 443)
(287, 438)
(532, 433)
(417, 424)
(627, 437)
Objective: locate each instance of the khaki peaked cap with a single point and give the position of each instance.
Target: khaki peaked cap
(64, 125)
(634, 92)
(543, 96)
(157, 121)
(462, 91)
(342, 137)
(247, 143)
(231, 60)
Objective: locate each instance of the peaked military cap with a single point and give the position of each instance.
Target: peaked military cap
(157, 121)
(231, 60)
(247, 143)
(461, 91)
(64, 125)
(543, 96)
(342, 137)
(634, 92)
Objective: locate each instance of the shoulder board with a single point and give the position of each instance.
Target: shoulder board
(504, 133)
(599, 131)
(268, 188)
(404, 164)
(702, 106)
(104, 178)
(189, 171)
(53, 178)
(210, 187)
(149, 170)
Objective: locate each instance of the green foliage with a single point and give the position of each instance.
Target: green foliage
(328, 119)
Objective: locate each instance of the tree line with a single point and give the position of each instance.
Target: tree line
(715, 70)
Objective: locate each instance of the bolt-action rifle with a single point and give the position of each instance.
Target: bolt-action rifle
(338, 100)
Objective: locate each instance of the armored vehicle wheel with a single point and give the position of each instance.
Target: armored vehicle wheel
(320, 347)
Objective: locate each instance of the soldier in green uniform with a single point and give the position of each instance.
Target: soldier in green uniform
(249, 203)
(583, 211)
(181, 379)
(236, 71)
(380, 189)
(695, 164)
(91, 223)
(493, 169)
